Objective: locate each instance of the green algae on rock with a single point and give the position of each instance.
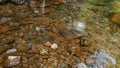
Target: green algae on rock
(100, 2)
(115, 12)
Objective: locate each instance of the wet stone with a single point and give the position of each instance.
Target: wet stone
(2, 2)
(3, 20)
(1, 59)
(54, 46)
(48, 44)
(11, 50)
(115, 17)
(35, 49)
(54, 64)
(45, 21)
(69, 34)
(37, 28)
(24, 60)
(18, 1)
(43, 51)
(12, 61)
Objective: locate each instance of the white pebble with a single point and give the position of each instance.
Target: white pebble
(37, 28)
(14, 60)
(37, 12)
(54, 46)
(11, 50)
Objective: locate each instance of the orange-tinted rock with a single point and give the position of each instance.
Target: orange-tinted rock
(76, 51)
(55, 30)
(53, 54)
(77, 41)
(4, 28)
(48, 44)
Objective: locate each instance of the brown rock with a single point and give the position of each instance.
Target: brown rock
(115, 17)
(4, 28)
(54, 30)
(69, 34)
(77, 41)
(77, 51)
(45, 21)
(56, 24)
(85, 41)
(1, 59)
(53, 54)
(35, 49)
(24, 60)
(33, 61)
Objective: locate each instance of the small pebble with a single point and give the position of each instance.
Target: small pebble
(23, 42)
(43, 51)
(37, 28)
(48, 44)
(54, 46)
(37, 12)
(11, 50)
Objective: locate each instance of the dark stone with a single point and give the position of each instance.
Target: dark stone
(2, 2)
(18, 1)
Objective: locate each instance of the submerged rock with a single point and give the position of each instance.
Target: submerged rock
(81, 65)
(3, 2)
(115, 17)
(14, 60)
(115, 12)
(48, 44)
(69, 34)
(11, 50)
(100, 60)
(54, 46)
(18, 1)
(79, 26)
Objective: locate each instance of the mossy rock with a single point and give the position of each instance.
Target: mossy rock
(100, 2)
(115, 11)
(115, 6)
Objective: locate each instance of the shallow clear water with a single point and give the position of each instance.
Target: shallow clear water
(60, 34)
